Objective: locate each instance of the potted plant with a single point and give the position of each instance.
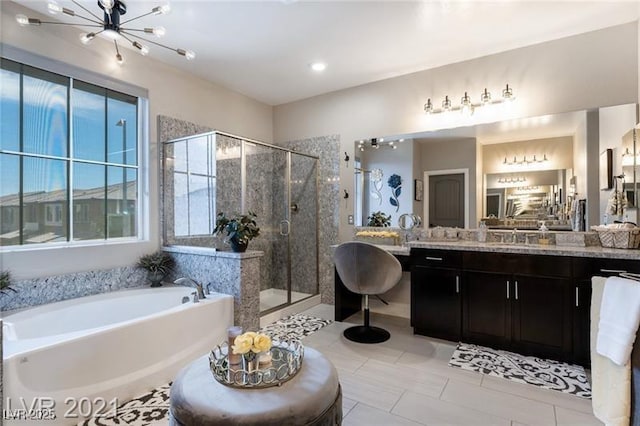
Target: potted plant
(158, 265)
(5, 282)
(379, 219)
(240, 229)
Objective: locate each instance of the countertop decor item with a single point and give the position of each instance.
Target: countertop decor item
(379, 219)
(5, 282)
(286, 360)
(158, 264)
(376, 180)
(395, 182)
(240, 229)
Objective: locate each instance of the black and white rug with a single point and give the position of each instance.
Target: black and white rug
(152, 408)
(544, 373)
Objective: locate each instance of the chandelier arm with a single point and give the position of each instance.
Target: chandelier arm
(89, 19)
(67, 23)
(116, 43)
(148, 41)
(137, 17)
(87, 10)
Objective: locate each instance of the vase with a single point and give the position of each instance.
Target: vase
(238, 246)
(250, 363)
(155, 278)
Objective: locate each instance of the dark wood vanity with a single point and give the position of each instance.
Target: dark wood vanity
(533, 304)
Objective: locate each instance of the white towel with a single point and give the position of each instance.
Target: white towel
(619, 319)
(610, 383)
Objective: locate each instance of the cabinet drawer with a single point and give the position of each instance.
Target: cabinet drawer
(609, 267)
(436, 258)
(547, 266)
(489, 262)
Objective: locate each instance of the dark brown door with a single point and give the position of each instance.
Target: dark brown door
(446, 200)
(436, 307)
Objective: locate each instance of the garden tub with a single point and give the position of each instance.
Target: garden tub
(104, 349)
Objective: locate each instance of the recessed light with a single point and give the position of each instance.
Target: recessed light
(318, 66)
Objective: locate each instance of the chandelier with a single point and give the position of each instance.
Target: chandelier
(111, 26)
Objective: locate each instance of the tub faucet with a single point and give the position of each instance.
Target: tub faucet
(208, 288)
(195, 284)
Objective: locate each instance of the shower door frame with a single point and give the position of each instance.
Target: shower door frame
(243, 181)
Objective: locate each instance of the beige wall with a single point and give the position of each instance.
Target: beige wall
(575, 73)
(559, 152)
(171, 92)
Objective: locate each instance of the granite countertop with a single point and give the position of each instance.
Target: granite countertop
(395, 250)
(212, 252)
(553, 250)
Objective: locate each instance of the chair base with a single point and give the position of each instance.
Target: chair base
(366, 334)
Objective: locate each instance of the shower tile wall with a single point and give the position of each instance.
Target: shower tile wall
(327, 148)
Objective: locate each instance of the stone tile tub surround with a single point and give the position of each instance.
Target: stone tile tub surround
(237, 274)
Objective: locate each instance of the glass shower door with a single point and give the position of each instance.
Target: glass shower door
(266, 194)
(303, 238)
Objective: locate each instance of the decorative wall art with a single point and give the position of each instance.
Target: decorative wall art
(418, 190)
(376, 184)
(395, 182)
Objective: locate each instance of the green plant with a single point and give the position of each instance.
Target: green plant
(239, 228)
(156, 262)
(5, 282)
(379, 219)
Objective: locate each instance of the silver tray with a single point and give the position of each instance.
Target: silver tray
(286, 361)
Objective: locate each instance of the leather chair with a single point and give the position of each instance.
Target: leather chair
(368, 270)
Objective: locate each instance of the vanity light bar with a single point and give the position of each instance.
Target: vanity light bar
(518, 179)
(377, 143)
(524, 161)
(466, 105)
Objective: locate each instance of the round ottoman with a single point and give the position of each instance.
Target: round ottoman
(312, 397)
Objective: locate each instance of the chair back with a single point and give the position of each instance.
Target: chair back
(365, 268)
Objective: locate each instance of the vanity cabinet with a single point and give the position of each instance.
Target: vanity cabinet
(435, 294)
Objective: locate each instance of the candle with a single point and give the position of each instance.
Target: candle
(232, 333)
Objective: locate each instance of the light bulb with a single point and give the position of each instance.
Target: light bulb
(189, 54)
(86, 38)
(507, 94)
(22, 20)
(161, 10)
(466, 107)
(428, 107)
(53, 7)
(119, 59)
(144, 50)
(159, 31)
(446, 104)
(318, 66)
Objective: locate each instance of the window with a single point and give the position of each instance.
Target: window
(68, 159)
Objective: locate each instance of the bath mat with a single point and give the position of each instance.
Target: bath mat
(149, 409)
(152, 408)
(295, 326)
(544, 373)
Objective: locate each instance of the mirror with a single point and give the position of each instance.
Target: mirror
(529, 168)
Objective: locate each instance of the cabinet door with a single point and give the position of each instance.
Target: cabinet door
(435, 295)
(543, 316)
(582, 322)
(486, 308)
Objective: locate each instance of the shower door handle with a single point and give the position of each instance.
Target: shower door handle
(285, 227)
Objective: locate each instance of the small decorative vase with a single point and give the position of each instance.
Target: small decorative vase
(155, 278)
(238, 246)
(250, 362)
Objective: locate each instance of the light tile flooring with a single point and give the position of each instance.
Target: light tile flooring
(272, 297)
(406, 381)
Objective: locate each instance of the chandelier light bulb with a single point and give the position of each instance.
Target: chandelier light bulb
(53, 7)
(144, 50)
(161, 10)
(23, 20)
(159, 31)
(86, 38)
(119, 59)
(189, 54)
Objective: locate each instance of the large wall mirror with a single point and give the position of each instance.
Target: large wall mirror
(531, 168)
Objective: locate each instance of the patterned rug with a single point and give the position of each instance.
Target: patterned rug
(544, 373)
(152, 408)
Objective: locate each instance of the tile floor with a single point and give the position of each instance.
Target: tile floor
(406, 381)
(272, 297)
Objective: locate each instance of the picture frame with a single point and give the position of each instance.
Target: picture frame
(418, 190)
(606, 169)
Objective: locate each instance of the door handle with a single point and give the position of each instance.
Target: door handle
(507, 289)
(439, 259)
(516, 290)
(457, 284)
(613, 271)
(285, 226)
(577, 297)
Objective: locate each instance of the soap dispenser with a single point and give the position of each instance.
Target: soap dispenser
(482, 232)
(544, 236)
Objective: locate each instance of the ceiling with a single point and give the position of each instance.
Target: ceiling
(263, 48)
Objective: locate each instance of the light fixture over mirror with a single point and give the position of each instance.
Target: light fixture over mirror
(110, 26)
(467, 107)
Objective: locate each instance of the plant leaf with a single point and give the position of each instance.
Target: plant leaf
(393, 201)
(398, 191)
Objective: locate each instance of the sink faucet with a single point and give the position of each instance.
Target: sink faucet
(198, 287)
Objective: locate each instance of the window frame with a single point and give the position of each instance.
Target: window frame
(72, 73)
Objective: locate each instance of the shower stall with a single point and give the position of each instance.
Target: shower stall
(215, 172)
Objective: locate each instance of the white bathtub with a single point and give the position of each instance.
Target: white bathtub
(112, 345)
